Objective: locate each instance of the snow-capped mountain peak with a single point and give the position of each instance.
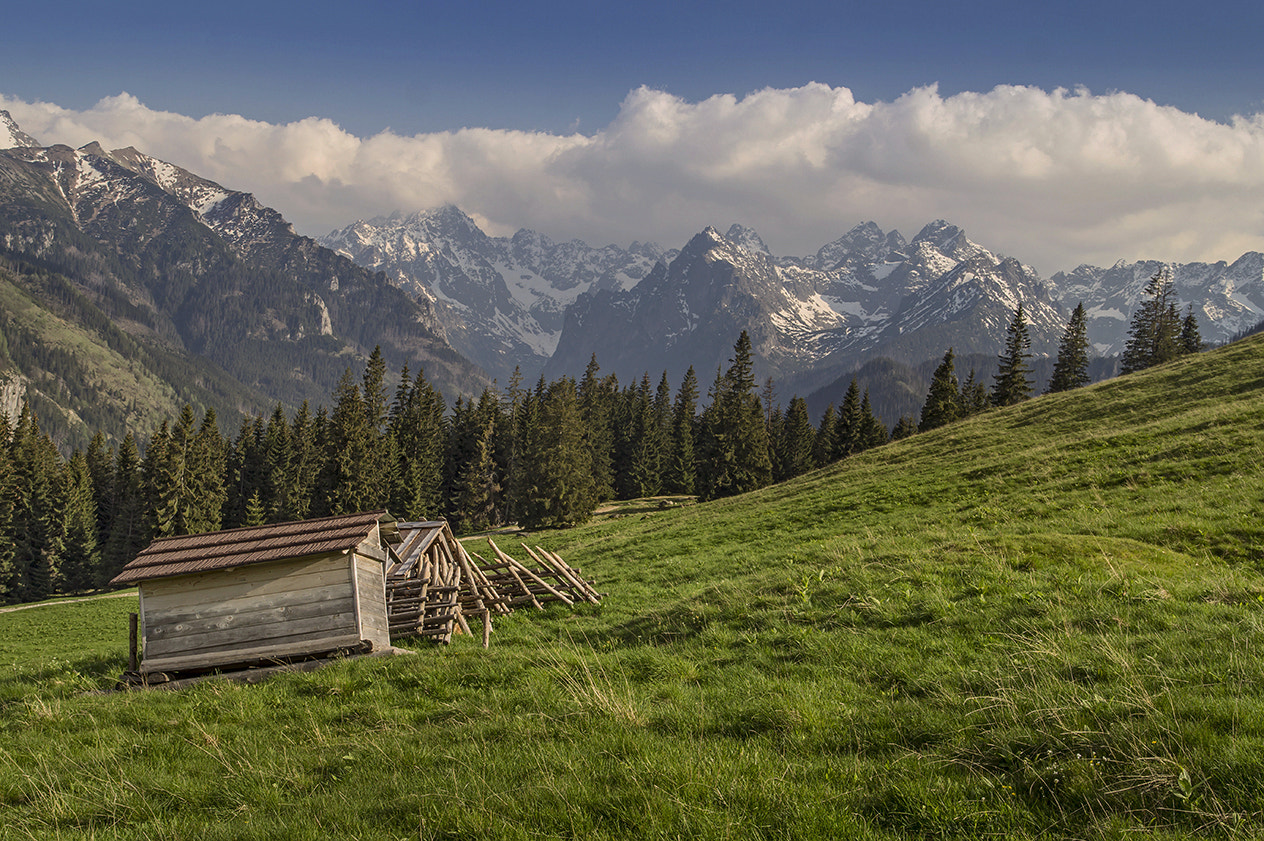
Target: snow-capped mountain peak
(12, 137)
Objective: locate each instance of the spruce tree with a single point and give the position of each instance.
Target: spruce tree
(849, 428)
(794, 447)
(597, 399)
(825, 441)
(873, 432)
(974, 396)
(1191, 340)
(905, 428)
(418, 430)
(557, 471)
(943, 401)
(647, 449)
(128, 533)
(1071, 369)
(733, 452)
(1011, 384)
(36, 526)
(1154, 336)
(680, 471)
(80, 555)
(8, 499)
(100, 460)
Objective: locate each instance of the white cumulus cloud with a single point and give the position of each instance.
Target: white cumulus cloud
(1054, 178)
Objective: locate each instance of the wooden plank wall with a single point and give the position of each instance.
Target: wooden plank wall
(216, 618)
(371, 589)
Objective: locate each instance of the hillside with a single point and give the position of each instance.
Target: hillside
(177, 268)
(1042, 622)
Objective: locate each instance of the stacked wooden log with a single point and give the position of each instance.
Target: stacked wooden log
(434, 586)
(550, 579)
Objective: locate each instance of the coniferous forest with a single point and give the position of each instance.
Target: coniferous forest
(540, 457)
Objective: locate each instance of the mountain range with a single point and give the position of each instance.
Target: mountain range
(525, 301)
(129, 286)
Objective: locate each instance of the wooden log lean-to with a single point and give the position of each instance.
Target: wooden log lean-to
(438, 588)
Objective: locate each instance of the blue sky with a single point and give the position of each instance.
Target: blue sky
(541, 66)
(553, 70)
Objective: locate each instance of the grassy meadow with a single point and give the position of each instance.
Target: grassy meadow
(1042, 622)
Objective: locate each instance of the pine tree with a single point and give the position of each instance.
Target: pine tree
(943, 401)
(873, 432)
(905, 428)
(478, 487)
(1071, 369)
(128, 533)
(974, 396)
(597, 399)
(1011, 385)
(680, 471)
(557, 469)
(100, 460)
(825, 441)
(36, 527)
(647, 450)
(1191, 338)
(347, 480)
(80, 556)
(8, 499)
(849, 427)
(1155, 333)
(794, 447)
(420, 438)
(733, 455)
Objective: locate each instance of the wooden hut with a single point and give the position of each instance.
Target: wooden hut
(270, 593)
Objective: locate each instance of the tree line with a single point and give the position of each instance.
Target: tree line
(1157, 334)
(541, 457)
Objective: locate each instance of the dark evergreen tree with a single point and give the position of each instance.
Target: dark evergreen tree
(598, 398)
(943, 400)
(128, 532)
(873, 431)
(905, 428)
(245, 474)
(733, 452)
(80, 556)
(680, 472)
(826, 439)
(1011, 384)
(557, 470)
(418, 428)
(974, 396)
(347, 479)
(1154, 334)
(100, 460)
(478, 488)
(8, 500)
(1191, 340)
(794, 449)
(647, 448)
(1071, 368)
(206, 463)
(36, 512)
(850, 424)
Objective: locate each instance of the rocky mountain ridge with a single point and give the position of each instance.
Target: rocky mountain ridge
(870, 293)
(188, 267)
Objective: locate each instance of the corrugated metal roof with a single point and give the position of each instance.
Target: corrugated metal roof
(191, 553)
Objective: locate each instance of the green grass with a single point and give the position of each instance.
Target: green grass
(1045, 622)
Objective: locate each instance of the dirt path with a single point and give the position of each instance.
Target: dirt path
(66, 601)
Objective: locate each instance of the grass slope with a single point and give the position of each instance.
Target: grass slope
(1041, 622)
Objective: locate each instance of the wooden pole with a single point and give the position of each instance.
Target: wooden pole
(133, 662)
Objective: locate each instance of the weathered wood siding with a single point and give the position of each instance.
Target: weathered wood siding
(265, 610)
(371, 592)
